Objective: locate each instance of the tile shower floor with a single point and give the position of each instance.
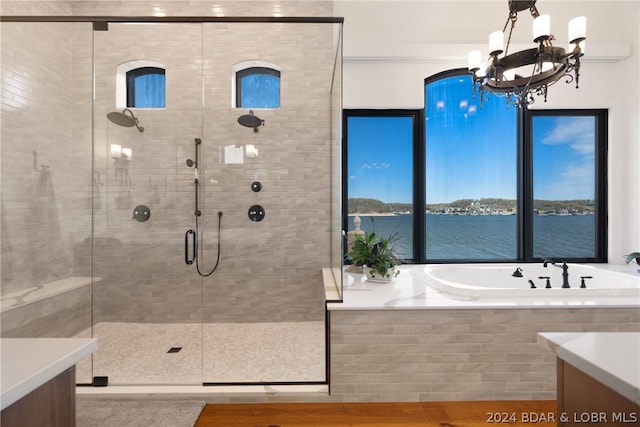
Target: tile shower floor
(148, 354)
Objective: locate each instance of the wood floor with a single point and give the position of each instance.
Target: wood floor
(424, 414)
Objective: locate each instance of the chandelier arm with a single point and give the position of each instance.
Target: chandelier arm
(523, 95)
(576, 71)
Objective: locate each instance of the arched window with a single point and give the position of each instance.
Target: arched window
(146, 87)
(140, 84)
(257, 86)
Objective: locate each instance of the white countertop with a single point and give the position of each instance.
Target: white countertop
(612, 358)
(27, 363)
(407, 291)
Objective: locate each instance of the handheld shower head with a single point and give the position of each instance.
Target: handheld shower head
(191, 163)
(126, 120)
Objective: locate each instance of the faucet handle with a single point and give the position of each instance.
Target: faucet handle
(548, 285)
(582, 284)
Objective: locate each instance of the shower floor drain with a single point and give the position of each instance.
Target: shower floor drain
(174, 349)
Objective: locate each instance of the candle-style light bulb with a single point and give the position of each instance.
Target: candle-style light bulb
(577, 29)
(496, 43)
(474, 58)
(541, 28)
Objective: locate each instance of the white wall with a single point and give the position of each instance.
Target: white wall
(391, 46)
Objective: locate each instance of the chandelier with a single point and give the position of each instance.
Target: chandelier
(523, 75)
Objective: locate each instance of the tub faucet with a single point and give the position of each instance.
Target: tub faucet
(565, 271)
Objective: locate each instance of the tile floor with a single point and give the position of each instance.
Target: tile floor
(147, 354)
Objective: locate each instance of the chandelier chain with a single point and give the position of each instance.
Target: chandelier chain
(534, 11)
(513, 17)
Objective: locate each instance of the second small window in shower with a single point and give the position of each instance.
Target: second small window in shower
(258, 87)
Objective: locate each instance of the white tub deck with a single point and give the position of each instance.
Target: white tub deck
(411, 290)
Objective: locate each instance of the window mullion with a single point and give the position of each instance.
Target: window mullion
(525, 186)
(419, 184)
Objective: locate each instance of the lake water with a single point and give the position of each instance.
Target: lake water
(488, 237)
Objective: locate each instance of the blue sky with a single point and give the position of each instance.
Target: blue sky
(380, 158)
(471, 151)
(564, 158)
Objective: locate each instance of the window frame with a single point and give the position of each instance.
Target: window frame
(255, 70)
(133, 74)
(418, 167)
(525, 186)
(450, 74)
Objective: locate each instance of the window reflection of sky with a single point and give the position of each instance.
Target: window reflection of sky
(380, 157)
(260, 91)
(470, 149)
(564, 156)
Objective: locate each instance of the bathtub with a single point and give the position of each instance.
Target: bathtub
(471, 281)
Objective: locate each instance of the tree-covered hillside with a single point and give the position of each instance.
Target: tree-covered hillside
(488, 205)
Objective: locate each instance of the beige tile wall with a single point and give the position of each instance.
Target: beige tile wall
(439, 355)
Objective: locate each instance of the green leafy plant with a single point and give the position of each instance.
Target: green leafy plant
(377, 253)
(633, 256)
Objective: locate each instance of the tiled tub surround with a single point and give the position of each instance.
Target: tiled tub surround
(406, 342)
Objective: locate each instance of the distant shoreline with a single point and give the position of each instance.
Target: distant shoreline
(376, 214)
(512, 213)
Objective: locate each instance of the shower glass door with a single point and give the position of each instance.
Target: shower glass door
(147, 115)
(264, 306)
(228, 288)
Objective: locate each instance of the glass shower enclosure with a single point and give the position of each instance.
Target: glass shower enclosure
(196, 243)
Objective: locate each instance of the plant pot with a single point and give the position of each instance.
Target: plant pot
(374, 276)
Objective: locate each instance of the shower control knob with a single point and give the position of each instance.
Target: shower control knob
(141, 213)
(256, 213)
(256, 186)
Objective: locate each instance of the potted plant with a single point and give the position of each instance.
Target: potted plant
(376, 255)
(633, 256)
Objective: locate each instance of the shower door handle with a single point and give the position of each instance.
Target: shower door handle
(188, 260)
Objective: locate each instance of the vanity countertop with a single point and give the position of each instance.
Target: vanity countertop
(28, 363)
(609, 357)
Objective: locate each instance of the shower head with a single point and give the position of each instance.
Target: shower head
(251, 121)
(126, 120)
(518, 273)
(191, 163)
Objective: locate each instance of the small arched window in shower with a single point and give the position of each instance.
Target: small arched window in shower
(140, 84)
(257, 85)
(146, 87)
